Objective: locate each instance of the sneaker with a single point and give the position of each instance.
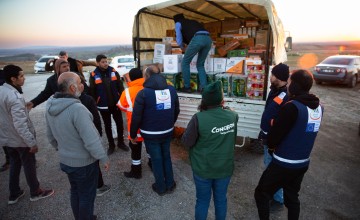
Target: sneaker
(102, 190)
(123, 146)
(13, 200)
(42, 195)
(110, 151)
(155, 190)
(186, 90)
(4, 167)
(171, 189)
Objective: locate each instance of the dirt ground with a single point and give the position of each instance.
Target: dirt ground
(330, 190)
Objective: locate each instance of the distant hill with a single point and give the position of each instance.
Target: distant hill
(84, 53)
(352, 47)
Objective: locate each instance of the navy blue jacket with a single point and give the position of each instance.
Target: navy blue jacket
(155, 110)
(105, 87)
(276, 99)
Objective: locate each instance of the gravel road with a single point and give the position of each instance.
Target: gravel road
(330, 189)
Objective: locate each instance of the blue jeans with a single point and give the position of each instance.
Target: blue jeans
(159, 151)
(279, 195)
(83, 182)
(203, 196)
(200, 45)
(20, 156)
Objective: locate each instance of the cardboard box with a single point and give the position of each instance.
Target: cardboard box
(253, 23)
(172, 63)
(170, 33)
(219, 65)
(253, 61)
(158, 60)
(207, 64)
(229, 46)
(247, 43)
(214, 29)
(235, 65)
(231, 26)
(161, 49)
(261, 39)
(235, 36)
(167, 40)
(176, 51)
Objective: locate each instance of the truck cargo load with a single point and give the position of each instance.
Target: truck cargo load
(255, 38)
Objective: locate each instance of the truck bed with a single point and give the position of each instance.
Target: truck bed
(249, 112)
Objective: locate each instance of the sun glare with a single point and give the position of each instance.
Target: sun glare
(307, 61)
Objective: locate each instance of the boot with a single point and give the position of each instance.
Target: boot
(135, 172)
(111, 148)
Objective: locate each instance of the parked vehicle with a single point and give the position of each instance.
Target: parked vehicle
(40, 64)
(123, 64)
(152, 23)
(344, 69)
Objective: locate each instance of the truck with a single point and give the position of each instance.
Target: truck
(152, 24)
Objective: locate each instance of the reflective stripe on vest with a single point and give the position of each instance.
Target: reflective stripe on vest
(102, 107)
(128, 99)
(290, 161)
(157, 132)
(280, 98)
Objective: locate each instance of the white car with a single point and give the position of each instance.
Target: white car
(40, 64)
(123, 64)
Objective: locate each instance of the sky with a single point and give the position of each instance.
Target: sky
(25, 23)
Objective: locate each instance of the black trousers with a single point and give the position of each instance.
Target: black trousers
(7, 157)
(117, 116)
(274, 178)
(135, 150)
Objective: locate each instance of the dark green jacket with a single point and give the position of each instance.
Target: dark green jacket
(212, 155)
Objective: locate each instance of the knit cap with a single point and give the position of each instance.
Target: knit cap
(212, 94)
(281, 72)
(135, 73)
(57, 64)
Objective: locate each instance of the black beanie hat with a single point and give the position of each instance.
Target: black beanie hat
(135, 73)
(281, 72)
(301, 82)
(212, 94)
(178, 17)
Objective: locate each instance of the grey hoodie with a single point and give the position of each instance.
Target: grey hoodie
(71, 130)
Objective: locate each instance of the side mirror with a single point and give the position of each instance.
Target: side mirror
(288, 44)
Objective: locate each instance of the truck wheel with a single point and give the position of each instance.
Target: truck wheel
(256, 146)
(353, 81)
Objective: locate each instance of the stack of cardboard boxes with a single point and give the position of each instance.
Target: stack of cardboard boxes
(236, 58)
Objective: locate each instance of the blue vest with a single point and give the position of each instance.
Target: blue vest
(101, 97)
(294, 151)
(159, 113)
